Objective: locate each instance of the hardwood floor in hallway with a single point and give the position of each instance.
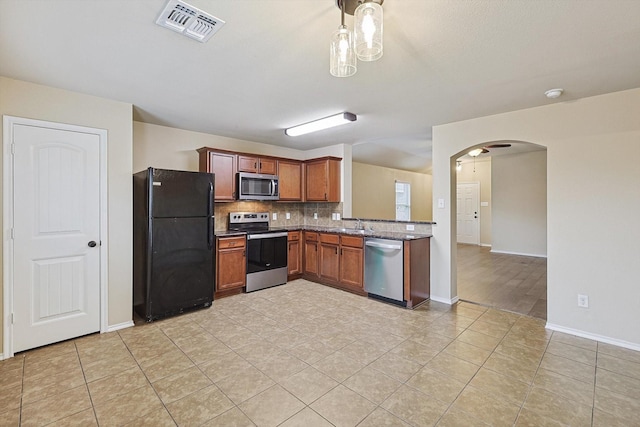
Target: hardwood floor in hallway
(508, 282)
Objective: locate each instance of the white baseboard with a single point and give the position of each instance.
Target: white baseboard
(518, 253)
(595, 337)
(485, 245)
(113, 328)
(1, 356)
(444, 300)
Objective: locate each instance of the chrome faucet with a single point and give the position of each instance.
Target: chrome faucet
(358, 224)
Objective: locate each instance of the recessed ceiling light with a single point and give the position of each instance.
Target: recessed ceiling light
(554, 93)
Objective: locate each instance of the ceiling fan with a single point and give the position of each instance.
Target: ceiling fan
(476, 152)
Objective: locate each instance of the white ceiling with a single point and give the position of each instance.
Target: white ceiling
(268, 67)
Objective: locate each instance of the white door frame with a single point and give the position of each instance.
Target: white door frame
(476, 186)
(7, 221)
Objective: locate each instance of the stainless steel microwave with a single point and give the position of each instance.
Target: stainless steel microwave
(257, 186)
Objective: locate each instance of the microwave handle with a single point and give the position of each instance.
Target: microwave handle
(273, 187)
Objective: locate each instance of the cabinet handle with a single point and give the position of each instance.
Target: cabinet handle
(255, 165)
(336, 251)
(325, 196)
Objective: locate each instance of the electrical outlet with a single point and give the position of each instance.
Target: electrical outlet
(338, 216)
(274, 216)
(583, 301)
(315, 215)
(287, 215)
(410, 227)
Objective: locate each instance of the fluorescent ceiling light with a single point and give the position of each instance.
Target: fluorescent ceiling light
(316, 125)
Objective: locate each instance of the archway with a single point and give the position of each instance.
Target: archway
(501, 195)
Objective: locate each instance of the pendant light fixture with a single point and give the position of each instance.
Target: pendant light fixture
(368, 26)
(342, 52)
(364, 43)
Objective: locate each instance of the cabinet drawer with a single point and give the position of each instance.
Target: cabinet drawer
(352, 241)
(293, 236)
(231, 242)
(310, 236)
(330, 238)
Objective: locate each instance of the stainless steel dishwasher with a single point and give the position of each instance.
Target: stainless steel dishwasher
(384, 268)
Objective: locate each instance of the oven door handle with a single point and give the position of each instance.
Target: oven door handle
(266, 235)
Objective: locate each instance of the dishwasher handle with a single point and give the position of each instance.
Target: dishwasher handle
(381, 245)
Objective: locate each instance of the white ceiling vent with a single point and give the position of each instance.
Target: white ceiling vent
(188, 20)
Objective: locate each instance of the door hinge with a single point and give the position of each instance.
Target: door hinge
(13, 233)
(13, 148)
(12, 318)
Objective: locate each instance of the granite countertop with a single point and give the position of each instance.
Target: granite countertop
(392, 235)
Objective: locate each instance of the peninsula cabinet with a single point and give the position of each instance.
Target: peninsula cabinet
(310, 255)
(290, 180)
(231, 263)
(257, 164)
(223, 166)
(294, 255)
(322, 177)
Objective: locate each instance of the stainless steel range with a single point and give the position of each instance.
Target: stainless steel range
(266, 249)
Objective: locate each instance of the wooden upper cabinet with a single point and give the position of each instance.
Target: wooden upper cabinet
(257, 165)
(322, 178)
(290, 180)
(223, 166)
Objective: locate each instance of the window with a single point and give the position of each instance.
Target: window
(403, 201)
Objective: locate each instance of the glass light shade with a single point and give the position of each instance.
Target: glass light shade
(342, 54)
(368, 31)
(475, 153)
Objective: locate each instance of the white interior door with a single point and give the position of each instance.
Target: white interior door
(468, 213)
(56, 219)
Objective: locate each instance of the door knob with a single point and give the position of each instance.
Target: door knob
(92, 244)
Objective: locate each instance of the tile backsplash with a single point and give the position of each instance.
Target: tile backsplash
(303, 214)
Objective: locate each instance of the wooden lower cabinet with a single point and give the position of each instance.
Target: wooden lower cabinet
(231, 263)
(294, 255)
(352, 261)
(340, 261)
(310, 255)
(330, 257)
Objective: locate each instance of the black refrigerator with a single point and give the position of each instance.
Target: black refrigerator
(173, 242)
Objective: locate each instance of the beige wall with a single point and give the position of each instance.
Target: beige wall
(480, 172)
(22, 99)
(519, 184)
(374, 194)
(592, 207)
(171, 148)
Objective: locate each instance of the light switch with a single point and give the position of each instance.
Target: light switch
(274, 216)
(484, 204)
(440, 203)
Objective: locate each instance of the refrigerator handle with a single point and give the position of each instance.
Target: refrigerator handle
(210, 218)
(210, 234)
(210, 206)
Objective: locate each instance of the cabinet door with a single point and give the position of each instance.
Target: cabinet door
(231, 269)
(290, 180)
(311, 258)
(294, 260)
(248, 164)
(223, 165)
(268, 166)
(316, 175)
(351, 266)
(329, 262)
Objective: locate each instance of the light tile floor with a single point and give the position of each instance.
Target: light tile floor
(303, 354)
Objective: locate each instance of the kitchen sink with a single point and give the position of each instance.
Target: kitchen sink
(351, 231)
